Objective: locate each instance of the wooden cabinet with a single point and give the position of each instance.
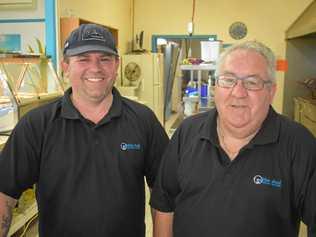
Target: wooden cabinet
(68, 24)
(305, 112)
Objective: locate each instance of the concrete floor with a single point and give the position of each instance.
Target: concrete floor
(148, 218)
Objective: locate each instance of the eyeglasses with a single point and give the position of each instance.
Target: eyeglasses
(252, 83)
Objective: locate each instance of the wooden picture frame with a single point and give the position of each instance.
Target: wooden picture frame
(17, 4)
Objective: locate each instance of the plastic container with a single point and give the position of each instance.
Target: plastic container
(191, 105)
(210, 50)
(210, 87)
(204, 95)
(191, 91)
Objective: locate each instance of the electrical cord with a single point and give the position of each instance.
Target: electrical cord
(191, 25)
(193, 11)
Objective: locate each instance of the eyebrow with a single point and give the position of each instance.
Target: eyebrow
(228, 73)
(83, 55)
(100, 53)
(233, 74)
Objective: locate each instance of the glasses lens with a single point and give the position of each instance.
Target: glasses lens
(250, 83)
(253, 83)
(226, 81)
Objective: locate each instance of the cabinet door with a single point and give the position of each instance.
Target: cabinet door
(68, 24)
(308, 116)
(297, 110)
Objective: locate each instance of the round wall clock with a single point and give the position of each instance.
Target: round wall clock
(238, 30)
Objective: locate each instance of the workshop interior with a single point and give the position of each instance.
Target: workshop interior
(168, 52)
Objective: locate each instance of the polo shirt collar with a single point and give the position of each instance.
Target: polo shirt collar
(116, 107)
(69, 111)
(208, 128)
(269, 132)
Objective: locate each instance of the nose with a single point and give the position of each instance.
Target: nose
(95, 65)
(239, 90)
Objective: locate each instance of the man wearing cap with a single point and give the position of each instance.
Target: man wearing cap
(241, 169)
(87, 152)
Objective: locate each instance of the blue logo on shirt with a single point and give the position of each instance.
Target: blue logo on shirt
(258, 179)
(127, 146)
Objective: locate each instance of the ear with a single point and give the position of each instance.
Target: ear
(64, 65)
(272, 91)
(117, 63)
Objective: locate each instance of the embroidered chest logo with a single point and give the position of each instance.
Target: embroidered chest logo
(260, 180)
(129, 146)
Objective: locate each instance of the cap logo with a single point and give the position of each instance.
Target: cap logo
(93, 34)
(66, 44)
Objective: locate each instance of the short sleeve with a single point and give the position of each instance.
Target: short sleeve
(304, 180)
(167, 187)
(19, 159)
(309, 213)
(157, 143)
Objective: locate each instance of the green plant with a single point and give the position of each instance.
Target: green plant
(40, 48)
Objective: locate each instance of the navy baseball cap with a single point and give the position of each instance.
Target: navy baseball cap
(90, 38)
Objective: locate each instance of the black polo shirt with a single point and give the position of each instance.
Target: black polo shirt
(90, 178)
(264, 192)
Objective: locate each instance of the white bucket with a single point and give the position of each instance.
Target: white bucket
(210, 50)
(190, 105)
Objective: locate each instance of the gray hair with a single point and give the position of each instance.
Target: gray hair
(255, 46)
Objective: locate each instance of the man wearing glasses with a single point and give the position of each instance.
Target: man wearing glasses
(240, 169)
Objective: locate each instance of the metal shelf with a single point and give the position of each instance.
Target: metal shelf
(198, 67)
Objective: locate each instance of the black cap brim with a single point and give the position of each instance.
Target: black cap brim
(89, 48)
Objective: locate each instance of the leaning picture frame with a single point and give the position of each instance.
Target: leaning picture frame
(17, 4)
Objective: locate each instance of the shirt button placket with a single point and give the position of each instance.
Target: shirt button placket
(96, 140)
(228, 177)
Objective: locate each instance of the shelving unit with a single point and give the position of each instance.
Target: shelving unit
(197, 68)
(195, 103)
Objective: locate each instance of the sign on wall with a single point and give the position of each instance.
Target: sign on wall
(10, 42)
